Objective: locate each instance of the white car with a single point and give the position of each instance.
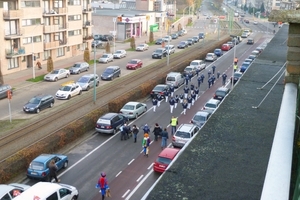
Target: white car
(133, 109)
(142, 47)
(211, 57)
(79, 67)
(57, 74)
(211, 104)
(12, 190)
(68, 90)
(255, 22)
(120, 54)
(105, 58)
(199, 64)
(247, 32)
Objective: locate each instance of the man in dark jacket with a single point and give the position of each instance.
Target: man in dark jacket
(164, 138)
(157, 131)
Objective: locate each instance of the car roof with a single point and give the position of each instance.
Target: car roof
(202, 113)
(132, 103)
(222, 89)
(135, 59)
(108, 115)
(196, 61)
(44, 157)
(213, 101)
(160, 49)
(112, 67)
(169, 153)
(162, 85)
(185, 127)
(89, 75)
(173, 74)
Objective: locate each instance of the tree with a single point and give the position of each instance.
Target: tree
(262, 7)
(49, 64)
(86, 55)
(245, 7)
(151, 37)
(179, 27)
(107, 47)
(1, 77)
(132, 42)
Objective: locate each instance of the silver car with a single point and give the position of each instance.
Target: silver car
(183, 134)
(211, 57)
(105, 58)
(120, 54)
(57, 74)
(133, 109)
(211, 104)
(142, 47)
(87, 81)
(9, 192)
(79, 67)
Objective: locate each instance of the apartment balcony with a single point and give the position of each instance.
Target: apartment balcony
(63, 42)
(14, 52)
(86, 9)
(55, 28)
(51, 45)
(86, 38)
(55, 12)
(8, 35)
(12, 14)
(87, 24)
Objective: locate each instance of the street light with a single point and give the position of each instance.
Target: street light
(33, 69)
(114, 33)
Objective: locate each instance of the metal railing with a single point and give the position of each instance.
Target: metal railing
(14, 52)
(12, 14)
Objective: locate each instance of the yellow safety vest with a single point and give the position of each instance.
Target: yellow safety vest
(173, 121)
(235, 66)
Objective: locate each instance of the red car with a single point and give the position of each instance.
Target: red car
(164, 159)
(226, 47)
(134, 64)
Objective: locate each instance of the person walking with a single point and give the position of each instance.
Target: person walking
(154, 103)
(146, 129)
(187, 79)
(218, 74)
(164, 138)
(38, 64)
(172, 103)
(184, 106)
(102, 184)
(172, 88)
(192, 87)
(197, 71)
(135, 131)
(53, 171)
(214, 69)
(208, 73)
(209, 82)
(174, 123)
(224, 76)
(190, 76)
(157, 131)
(186, 90)
(159, 99)
(193, 95)
(189, 100)
(167, 95)
(202, 77)
(199, 81)
(235, 67)
(176, 100)
(213, 78)
(123, 132)
(181, 96)
(196, 92)
(145, 144)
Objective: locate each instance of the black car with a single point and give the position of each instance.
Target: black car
(236, 77)
(221, 92)
(107, 38)
(110, 123)
(201, 35)
(159, 89)
(174, 36)
(159, 41)
(98, 37)
(38, 103)
(111, 72)
(159, 53)
(250, 41)
(96, 43)
(190, 41)
(3, 90)
(182, 45)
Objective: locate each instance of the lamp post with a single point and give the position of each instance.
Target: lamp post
(234, 49)
(94, 91)
(33, 67)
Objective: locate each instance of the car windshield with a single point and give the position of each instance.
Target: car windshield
(105, 56)
(220, 93)
(76, 65)
(109, 71)
(182, 43)
(163, 160)
(168, 48)
(171, 78)
(182, 134)
(195, 37)
(83, 80)
(65, 88)
(118, 52)
(210, 105)
(194, 63)
(54, 72)
(128, 107)
(199, 118)
(158, 40)
(159, 88)
(34, 101)
(237, 75)
(36, 165)
(141, 45)
(188, 69)
(158, 51)
(133, 62)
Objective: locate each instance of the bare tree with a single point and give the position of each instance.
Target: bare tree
(132, 42)
(151, 37)
(1, 77)
(86, 55)
(107, 47)
(49, 64)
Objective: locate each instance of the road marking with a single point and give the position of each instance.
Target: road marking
(118, 173)
(150, 166)
(130, 161)
(124, 195)
(139, 178)
(139, 185)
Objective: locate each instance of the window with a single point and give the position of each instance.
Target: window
(74, 17)
(74, 2)
(30, 22)
(13, 63)
(47, 54)
(60, 52)
(32, 3)
(78, 46)
(68, 49)
(74, 32)
(35, 39)
(53, 196)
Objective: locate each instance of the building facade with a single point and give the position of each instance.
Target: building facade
(36, 29)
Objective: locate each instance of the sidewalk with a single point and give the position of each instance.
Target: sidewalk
(18, 79)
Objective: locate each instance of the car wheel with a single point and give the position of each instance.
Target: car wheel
(145, 109)
(67, 75)
(88, 87)
(38, 110)
(47, 179)
(51, 105)
(97, 84)
(87, 69)
(69, 97)
(114, 132)
(55, 79)
(136, 116)
(80, 92)
(74, 198)
(65, 164)
(112, 78)
(78, 72)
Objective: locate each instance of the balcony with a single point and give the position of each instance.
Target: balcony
(8, 35)
(86, 9)
(87, 24)
(14, 52)
(88, 37)
(12, 14)
(55, 12)
(63, 42)
(51, 45)
(55, 28)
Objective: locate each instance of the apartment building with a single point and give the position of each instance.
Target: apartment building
(36, 29)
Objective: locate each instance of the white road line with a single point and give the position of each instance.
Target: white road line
(124, 195)
(130, 161)
(139, 178)
(142, 151)
(150, 166)
(118, 173)
(139, 185)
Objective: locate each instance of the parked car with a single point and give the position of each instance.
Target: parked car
(97, 37)
(211, 104)
(107, 38)
(190, 69)
(247, 32)
(200, 118)
(231, 44)
(250, 41)
(175, 78)
(236, 77)
(255, 22)
(164, 158)
(159, 53)
(260, 49)
(218, 52)
(68, 90)
(3, 90)
(244, 35)
(57, 74)
(97, 43)
(133, 109)
(38, 103)
(244, 66)
(255, 52)
(211, 57)
(159, 89)
(39, 167)
(105, 58)
(246, 21)
(134, 64)
(10, 191)
(120, 54)
(79, 67)
(167, 38)
(174, 36)
(252, 57)
(201, 35)
(183, 134)
(199, 64)
(182, 45)
(110, 123)
(88, 81)
(248, 60)
(170, 49)
(182, 32)
(196, 39)
(111, 72)
(142, 47)
(159, 41)
(221, 93)
(190, 41)
(225, 47)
